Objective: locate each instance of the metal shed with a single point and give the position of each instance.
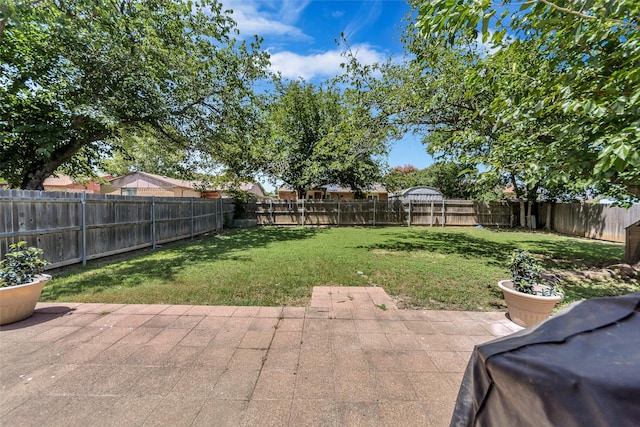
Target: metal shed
(422, 193)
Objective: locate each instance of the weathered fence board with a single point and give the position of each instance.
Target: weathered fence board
(373, 212)
(75, 227)
(595, 221)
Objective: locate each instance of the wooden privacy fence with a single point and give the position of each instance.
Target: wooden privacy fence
(76, 227)
(594, 221)
(374, 212)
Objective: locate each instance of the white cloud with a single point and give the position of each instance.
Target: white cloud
(320, 65)
(291, 10)
(368, 14)
(277, 21)
(257, 18)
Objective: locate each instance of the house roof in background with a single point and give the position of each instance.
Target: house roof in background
(61, 180)
(249, 187)
(58, 181)
(171, 181)
(375, 188)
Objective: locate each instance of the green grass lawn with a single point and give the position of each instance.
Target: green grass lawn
(436, 268)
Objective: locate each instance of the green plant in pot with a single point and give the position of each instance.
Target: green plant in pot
(529, 300)
(21, 282)
(526, 275)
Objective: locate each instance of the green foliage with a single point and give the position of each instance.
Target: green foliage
(445, 94)
(240, 196)
(20, 265)
(402, 177)
(466, 97)
(314, 139)
(526, 275)
(453, 180)
(573, 67)
(240, 200)
(79, 76)
(146, 152)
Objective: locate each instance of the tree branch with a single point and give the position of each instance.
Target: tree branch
(200, 101)
(585, 16)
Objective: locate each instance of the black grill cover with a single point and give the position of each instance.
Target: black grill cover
(579, 368)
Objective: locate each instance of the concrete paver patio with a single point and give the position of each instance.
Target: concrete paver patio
(350, 359)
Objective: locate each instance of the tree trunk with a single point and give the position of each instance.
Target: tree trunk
(34, 180)
(529, 209)
(547, 222)
(301, 194)
(523, 215)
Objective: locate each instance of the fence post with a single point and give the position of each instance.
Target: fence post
(303, 212)
(192, 218)
(431, 220)
(83, 201)
(214, 206)
(153, 222)
(374, 212)
(410, 213)
(271, 211)
(443, 212)
(221, 214)
(338, 211)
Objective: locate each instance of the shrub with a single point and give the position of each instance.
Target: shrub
(526, 274)
(20, 265)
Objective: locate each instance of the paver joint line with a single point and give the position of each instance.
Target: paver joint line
(351, 357)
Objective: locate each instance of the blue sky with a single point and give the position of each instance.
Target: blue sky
(301, 35)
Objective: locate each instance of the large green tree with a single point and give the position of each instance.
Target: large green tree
(450, 94)
(317, 136)
(77, 75)
(590, 51)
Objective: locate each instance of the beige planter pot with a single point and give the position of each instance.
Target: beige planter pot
(525, 309)
(18, 302)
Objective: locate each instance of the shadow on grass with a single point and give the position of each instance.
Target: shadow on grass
(579, 288)
(163, 264)
(576, 254)
(460, 244)
(563, 254)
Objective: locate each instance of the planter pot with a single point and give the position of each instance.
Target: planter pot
(525, 309)
(18, 302)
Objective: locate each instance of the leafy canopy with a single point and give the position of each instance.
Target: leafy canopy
(445, 94)
(317, 137)
(77, 75)
(589, 52)
(147, 152)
